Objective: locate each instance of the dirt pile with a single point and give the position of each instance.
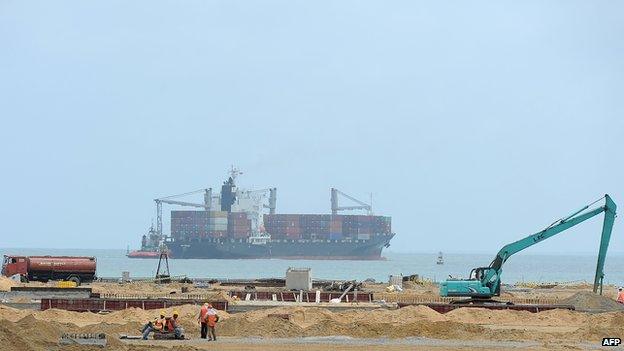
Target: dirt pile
(484, 316)
(558, 318)
(28, 334)
(6, 284)
(37, 330)
(590, 302)
(127, 321)
(403, 315)
(12, 314)
(31, 334)
(409, 321)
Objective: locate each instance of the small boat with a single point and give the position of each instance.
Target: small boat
(143, 254)
(440, 258)
(151, 246)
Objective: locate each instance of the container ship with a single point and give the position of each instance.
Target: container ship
(232, 225)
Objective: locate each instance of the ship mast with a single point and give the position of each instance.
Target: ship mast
(234, 172)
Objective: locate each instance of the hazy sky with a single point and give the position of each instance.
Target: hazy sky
(472, 123)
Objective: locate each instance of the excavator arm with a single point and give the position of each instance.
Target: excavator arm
(489, 277)
(607, 227)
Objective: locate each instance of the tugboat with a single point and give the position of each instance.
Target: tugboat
(150, 246)
(440, 258)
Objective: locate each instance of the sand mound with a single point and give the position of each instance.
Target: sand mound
(511, 317)
(599, 325)
(404, 315)
(37, 330)
(485, 316)
(419, 312)
(12, 314)
(409, 321)
(301, 316)
(127, 321)
(130, 315)
(31, 334)
(420, 328)
(9, 340)
(560, 317)
(588, 301)
(6, 284)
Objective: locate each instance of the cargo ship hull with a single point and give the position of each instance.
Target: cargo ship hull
(283, 249)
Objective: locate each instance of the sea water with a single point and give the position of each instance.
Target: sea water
(521, 267)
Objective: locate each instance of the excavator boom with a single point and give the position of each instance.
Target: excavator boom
(484, 282)
(607, 228)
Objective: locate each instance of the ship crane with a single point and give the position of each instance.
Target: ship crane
(361, 204)
(168, 200)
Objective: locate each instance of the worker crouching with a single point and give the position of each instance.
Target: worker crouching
(173, 324)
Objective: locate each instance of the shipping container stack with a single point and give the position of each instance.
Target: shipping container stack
(382, 225)
(198, 225)
(357, 227)
(217, 224)
(325, 227)
(315, 226)
(239, 226)
(283, 226)
(335, 228)
(189, 225)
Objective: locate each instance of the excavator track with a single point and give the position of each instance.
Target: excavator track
(480, 302)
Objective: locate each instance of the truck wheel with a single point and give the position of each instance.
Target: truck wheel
(24, 279)
(75, 280)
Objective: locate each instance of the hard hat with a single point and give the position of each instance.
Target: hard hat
(162, 312)
(175, 313)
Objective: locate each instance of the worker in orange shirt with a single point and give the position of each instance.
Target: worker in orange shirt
(173, 324)
(203, 320)
(156, 325)
(211, 319)
(620, 297)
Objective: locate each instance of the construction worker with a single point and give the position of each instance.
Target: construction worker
(620, 296)
(156, 325)
(203, 320)
(211, 319)
(173, 324)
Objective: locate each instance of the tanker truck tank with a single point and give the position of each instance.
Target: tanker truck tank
(43, 268)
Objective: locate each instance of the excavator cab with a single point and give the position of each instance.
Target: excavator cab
(478, 273)
(473, 287)
(481, 274)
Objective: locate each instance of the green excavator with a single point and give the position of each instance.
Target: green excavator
(485, 282)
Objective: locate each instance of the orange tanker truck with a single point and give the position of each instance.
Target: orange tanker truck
(43, 268)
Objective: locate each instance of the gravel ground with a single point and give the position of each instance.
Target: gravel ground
(347, 343)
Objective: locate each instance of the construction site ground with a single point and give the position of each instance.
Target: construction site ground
(314, 328)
